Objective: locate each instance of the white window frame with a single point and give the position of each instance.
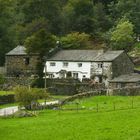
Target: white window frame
(52, 64)
(75, 75)
(100, 65)
(65, 64)
(80, 64)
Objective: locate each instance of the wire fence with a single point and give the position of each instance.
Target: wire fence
(100, 106)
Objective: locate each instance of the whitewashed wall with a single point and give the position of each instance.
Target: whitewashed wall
(72, 66)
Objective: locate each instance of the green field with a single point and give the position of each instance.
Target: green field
(121, 123)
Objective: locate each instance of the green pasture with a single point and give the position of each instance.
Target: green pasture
(123, 123)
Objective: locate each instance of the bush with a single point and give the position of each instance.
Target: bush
(28, 98)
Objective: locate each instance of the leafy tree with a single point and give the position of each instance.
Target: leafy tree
(40, 42)
(78, 16)
(129, 9)
(76, 40)
(6, 36)
(122, 35)
(26, 97)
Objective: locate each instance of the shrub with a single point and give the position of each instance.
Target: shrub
(28, 98)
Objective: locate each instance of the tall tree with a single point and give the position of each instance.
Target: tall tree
(122, 35)
(6, 35)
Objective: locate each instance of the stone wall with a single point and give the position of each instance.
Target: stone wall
(6, 99)
(122, 65)
(71, 86)
(122, 84)
(132, 91)
(16, 65)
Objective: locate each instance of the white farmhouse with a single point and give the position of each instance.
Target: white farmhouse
(88, 64)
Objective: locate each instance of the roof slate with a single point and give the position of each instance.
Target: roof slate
(19, 50)
(109, 55)
(85, 55)
(133, 77)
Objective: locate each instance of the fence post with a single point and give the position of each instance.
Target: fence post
(77, 106)
(114, 107)
(132, 104)
(97, 107)
(59, 109)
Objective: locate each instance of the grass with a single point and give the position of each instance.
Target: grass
(106, 103)
(6, 92)
(8, 105)
(81, 125)
(137, 68)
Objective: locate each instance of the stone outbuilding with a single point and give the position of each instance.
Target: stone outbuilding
(127, 80)
(19, 63)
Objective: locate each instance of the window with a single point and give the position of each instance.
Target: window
(26, 60)
(79, 64)
(75, 75)
(52, 64)
(65, 64)
(84, 76)
(51, 76)
(100, 65)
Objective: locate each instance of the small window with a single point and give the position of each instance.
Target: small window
(75, 75)
(100, 65)
(65, 64)
(51, 76)
(79, 64)
(52, 64)
(26, 60)
(84, 76)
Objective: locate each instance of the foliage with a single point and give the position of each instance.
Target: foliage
(40, 42)
(76, 40)
(122, 35)
(22, 20)
(25, 96)
(2, 79)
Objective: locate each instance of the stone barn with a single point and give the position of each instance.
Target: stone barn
(18, 63)
(126, 80)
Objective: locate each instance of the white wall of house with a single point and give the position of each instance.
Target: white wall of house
(82, 68)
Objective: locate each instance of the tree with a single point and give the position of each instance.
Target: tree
(6, 35)
(76, 40)
(122, 35)
(40, 42)
(129, 9)
(27, 97)
(78, 16)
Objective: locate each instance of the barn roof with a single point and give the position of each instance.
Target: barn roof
(127, 78)
(19, 50)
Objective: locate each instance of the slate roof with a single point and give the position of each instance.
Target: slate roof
(85, 55)
(109, 55)
(133, 77)
(19, 50)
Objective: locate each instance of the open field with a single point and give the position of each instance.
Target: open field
(88, 124)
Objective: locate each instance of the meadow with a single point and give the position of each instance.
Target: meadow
(121, 123)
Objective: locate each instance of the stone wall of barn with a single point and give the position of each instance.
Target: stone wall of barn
(125, 91)
(21, 65)
(114, 85)
(122, 65)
